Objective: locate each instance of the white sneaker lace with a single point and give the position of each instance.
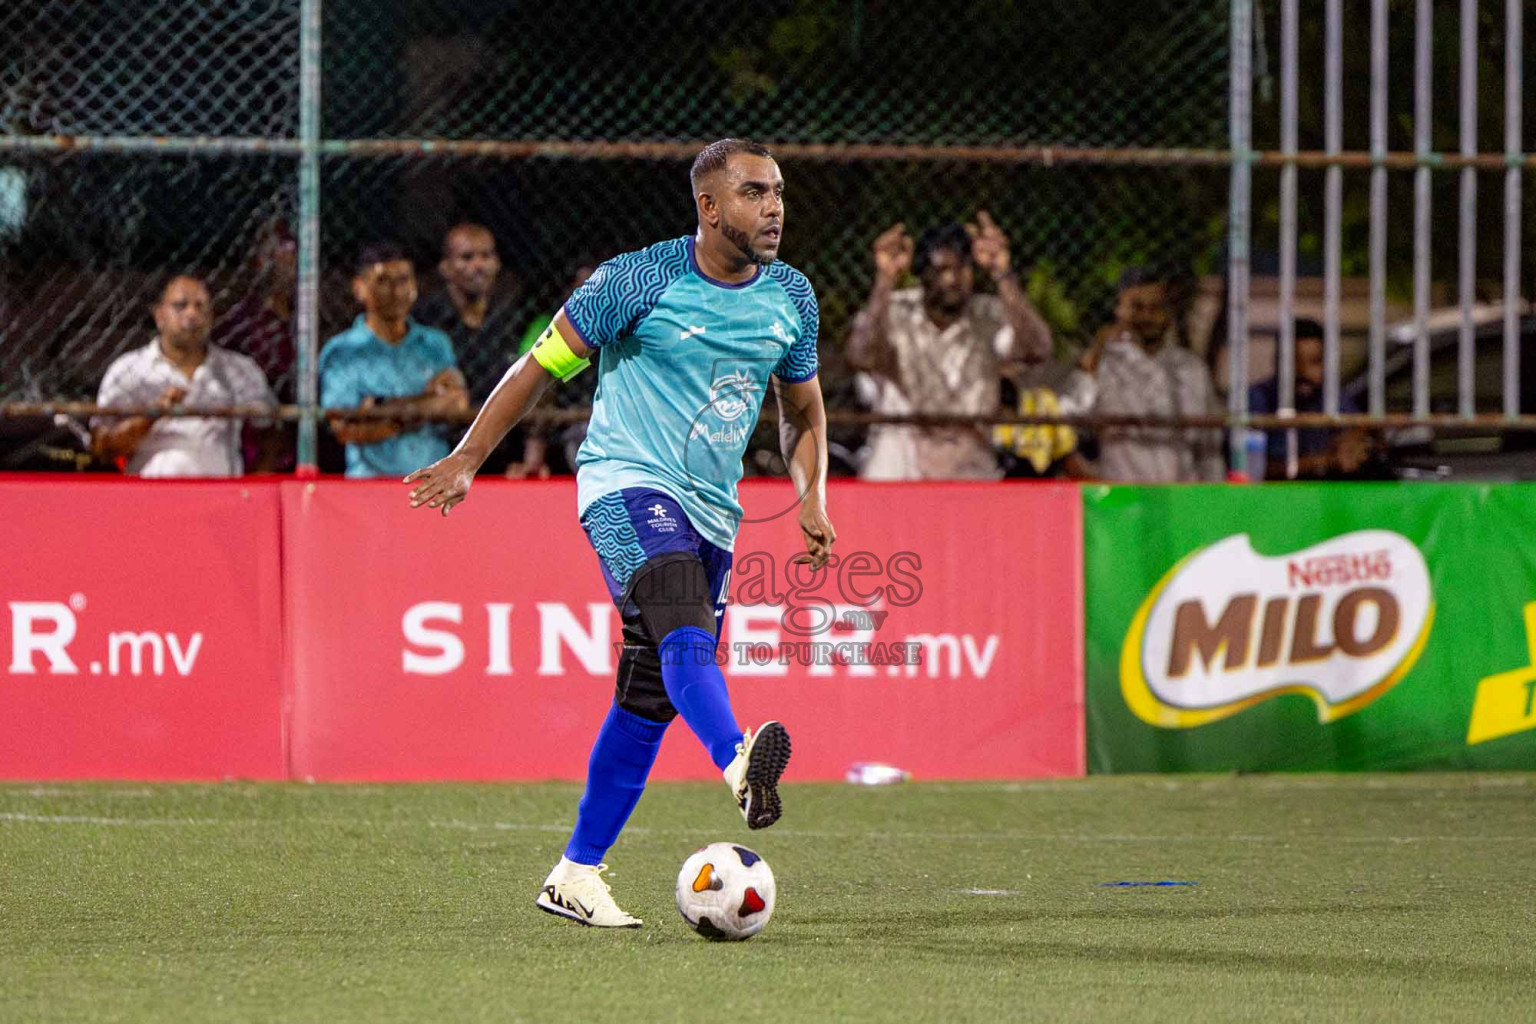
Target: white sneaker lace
(591, 887)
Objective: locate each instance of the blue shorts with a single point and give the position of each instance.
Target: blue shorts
(629, 527)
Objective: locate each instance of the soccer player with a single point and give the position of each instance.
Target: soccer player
(688, 335)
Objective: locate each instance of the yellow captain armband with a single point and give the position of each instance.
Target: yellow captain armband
(554, 353)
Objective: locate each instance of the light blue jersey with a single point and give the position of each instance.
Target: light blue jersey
(683, 366)
(356, 364)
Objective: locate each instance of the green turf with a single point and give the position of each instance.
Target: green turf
(1320, 898)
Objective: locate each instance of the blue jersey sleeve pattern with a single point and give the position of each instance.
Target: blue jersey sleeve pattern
(799, 363)
(622, 291)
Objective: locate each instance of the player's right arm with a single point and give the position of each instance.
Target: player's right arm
(559, 353)
(606, 308)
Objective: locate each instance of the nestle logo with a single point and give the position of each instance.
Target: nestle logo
(1339, 570)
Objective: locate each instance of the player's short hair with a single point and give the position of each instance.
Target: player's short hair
(379, 252)
(1308, 328)
(951, 236)
(714, 157)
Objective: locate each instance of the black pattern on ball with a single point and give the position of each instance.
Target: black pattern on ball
(707, 928)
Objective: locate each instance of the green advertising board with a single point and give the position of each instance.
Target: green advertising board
(1310, 627)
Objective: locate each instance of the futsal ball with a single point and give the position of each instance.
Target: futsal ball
(725, 892)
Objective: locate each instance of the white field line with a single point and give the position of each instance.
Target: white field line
(80, 792)
(562, 828)
(1237, 786)
(86, 819)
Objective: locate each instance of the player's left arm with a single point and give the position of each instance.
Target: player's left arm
(560, 354)
(803, 440)
(803, 422)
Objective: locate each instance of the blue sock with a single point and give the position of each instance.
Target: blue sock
(696, 687)
(621, 759)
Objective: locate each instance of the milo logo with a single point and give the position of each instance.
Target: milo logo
(1227, 628)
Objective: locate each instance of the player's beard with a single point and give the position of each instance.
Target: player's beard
(743, 242)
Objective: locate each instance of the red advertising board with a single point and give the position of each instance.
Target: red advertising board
(946, 641)
(141, 634)
(265, 629)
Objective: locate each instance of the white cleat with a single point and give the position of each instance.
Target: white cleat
(754, 776)
(577, 891)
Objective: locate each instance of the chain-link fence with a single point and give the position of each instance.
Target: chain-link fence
(567, 131)
(1069, 72)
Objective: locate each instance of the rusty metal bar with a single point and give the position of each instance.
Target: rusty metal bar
(1043, 156)
(1454, 423)
(168, 144)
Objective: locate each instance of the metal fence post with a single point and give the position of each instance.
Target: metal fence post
(1378, 216)
(1512, 122)
(1239, 227)
(308, 305)
(1333, 203)
(1285, 354)
(1423, 146)
(1465, 355)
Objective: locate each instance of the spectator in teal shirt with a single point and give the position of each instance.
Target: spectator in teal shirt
(386, 360)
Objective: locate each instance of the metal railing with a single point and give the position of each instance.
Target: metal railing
(1424, 162)
(315, 139)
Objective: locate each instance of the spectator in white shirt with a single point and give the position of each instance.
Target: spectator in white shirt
(939, 348)
(179, 367)
(1142, 371)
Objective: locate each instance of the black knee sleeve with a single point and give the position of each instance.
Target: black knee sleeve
(639, 688)
(667, 592)
(670, 591)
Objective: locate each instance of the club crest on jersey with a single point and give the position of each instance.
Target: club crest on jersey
(731, 394)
